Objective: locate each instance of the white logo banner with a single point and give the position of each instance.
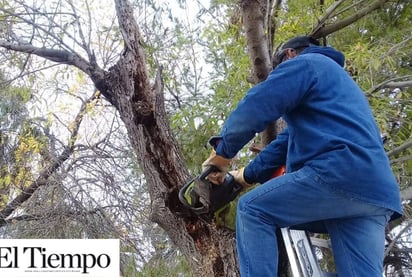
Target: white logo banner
(59, 257)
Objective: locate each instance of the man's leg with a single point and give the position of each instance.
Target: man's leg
(358, 245)
(283, 201)
(292, 199)
(256, 245)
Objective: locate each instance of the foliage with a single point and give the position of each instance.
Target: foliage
(20, 141)
(95, 194)
(227, 79)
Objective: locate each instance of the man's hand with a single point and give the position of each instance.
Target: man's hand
(221, 163)
(240, 178)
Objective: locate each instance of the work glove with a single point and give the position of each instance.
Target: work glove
(239, 177)
(221, 163)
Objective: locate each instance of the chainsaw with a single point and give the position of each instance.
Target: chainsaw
(204, 197)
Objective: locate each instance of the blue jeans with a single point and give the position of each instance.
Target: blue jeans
(356, 229)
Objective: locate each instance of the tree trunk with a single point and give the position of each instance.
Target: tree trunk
(210, 251)
(254, 14)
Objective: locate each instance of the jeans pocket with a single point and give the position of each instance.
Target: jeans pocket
(307, 175)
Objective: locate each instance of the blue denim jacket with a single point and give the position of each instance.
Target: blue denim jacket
(330, 128)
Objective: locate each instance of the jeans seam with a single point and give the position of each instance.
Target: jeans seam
(347, 257)
(245, 247)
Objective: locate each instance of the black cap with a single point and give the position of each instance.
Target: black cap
(299, 42)
(295, 43)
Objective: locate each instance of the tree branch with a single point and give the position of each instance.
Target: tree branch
(402, 159)
(329, 11)
(398, 235)
(398, 82)
(46, 172)
(38, 27)
(404, 84)
(322, 31)
(58, 213)
(65, 57)
(400, 148)
(58, 56)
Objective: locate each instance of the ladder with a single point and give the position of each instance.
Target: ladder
(302, 257)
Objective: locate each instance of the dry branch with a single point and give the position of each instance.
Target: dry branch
(46, 172)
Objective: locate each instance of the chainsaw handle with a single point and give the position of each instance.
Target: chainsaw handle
(182, 192)
(209, 169)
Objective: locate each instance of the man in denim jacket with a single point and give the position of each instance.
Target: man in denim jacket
(338, 176)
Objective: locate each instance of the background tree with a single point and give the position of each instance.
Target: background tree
(124, 67)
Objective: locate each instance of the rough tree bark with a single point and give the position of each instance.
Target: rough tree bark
(210, 251)
(254, 15)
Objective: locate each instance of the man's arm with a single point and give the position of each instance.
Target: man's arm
(273, 156)
(280, 93)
